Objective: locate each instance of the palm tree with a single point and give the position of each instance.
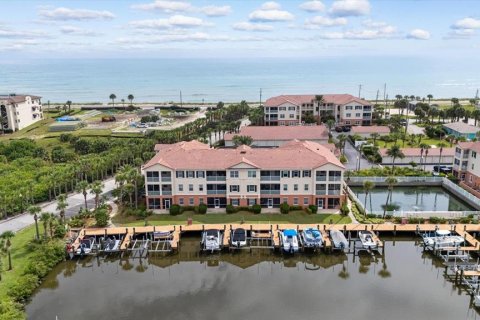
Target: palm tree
(330, 124)
(391, 181)
(395, 152)
(430, 97)
(441, 145)
(82, 187)
(242, 140)
(62, 204)
(35, 210)
(7, 237)
(367, 187)
(374, 136)
(113, 97)
(130, 98)
(123, 103)
(319, 100)
(69, 104)
(96, 188)
(425, 147)
(45, 219)
(342, 141)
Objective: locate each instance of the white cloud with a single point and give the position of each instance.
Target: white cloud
(312, 6)
(179, 21)
(174, 37)
(270, 11)
(76, 31)
(466, 23)
(216, 11)
(248, 26)
(362, 34)
(6, 32)
(270, 5)
(419, 34)
(318, 21)
(345, 8)
(75, 14)
(164, 6)
(460, 34)
(374, 24)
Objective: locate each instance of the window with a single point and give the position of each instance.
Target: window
(153, 176)
(357, 123)
(295, 201)
(358, 115)
(285, 200)
(295, 173)
(154, 204)
(234, 174)
(291, 116)
(252, 173)
(190, 174)
(348, 108)
(285, 187)
(234, 188)
(307, 173)
(285, 174)
(305, 201)
(347, 122)
(190, 187)
(282, 108)
(458, 150)
(291, 108)
(474, 155)
(473, 166)
(295, 187)
(180, 187)
(234, 202)
(334, 175)
(471, 178)
(348, 115)
(180, 201)
(200, 200)
(282, 116)
(200, 174)
(251, 202)
(251, 188)
(305, 187)
(334, 189)
(180, 174)
(200, 187)
(190, 201)
(457, 161)
(358, 107)
(321, 175)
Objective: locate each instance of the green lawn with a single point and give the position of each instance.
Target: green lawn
(20, 256)
(299, 217)
(429, 141)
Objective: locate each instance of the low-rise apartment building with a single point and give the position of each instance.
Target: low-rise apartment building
(19, 111)
(190, 173)
(466, 165)
(277, 136)
(290, 109)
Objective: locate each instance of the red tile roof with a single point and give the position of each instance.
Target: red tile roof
(17, 98)
(292, 155)
(475, 146)
(416, 152)
(282, 133)
(336, 99)
(370, 129)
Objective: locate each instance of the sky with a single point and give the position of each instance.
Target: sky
(242, 28)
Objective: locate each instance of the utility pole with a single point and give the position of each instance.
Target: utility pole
(181, 101)
(376, 99)
(359, 90)
(260, 97)
(384, 92)
(476, 97)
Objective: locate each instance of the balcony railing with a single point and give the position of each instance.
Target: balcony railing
(153, 193)
(269, 191)
(153, 179)
(216, 178)
(270, 178)
(320, 192)
(166, 179)
(321, 178)
(464, 168)
(458, 155)
(336, 178)
(216, 191)
(167, 193)
(334, 192)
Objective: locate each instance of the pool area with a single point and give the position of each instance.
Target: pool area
(414, 198)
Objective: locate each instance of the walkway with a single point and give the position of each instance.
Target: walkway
(75, 202)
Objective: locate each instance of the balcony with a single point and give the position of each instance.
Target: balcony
(153, 179)
(321, 178)
(333, 192)
(458, 155)
(153, 193)
(216, 178)
(270, 178)
(216, 191)
(335, 178)
(269, 191)
(320, 192)
(464, 168)
(167, 193)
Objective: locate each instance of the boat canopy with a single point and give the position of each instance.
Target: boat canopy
(314, 232)
(290, 232)
(443, 232)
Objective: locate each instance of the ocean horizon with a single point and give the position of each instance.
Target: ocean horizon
(211, 80)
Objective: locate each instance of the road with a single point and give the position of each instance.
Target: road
(75, 202)
(353, 156)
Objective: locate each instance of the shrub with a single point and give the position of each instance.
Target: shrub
(437, 220)
(343, 159)
(101, 217)
(175, 209)
(76, 222)
(10, 310)
(344, 210)
(60, 231)
(230, 209)
(23, 288)
(284, 208)
(257, 208)
(202, 208)
(414, 220)
(65, 137)
(313, 208)
(295, 208)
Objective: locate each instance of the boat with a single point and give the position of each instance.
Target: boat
(368, 242)
(289, 240)
(238, 238)
(111, 244)
(311, 238)
(212, 240)
(441, 239)
(339, 242)
(86, 246)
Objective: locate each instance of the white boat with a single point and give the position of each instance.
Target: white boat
(111, 244)
(339, 242)
(366, 237)
(238, 238)
(441, 239)
(289, 240)
(476, 301)
(86, 246)
(212, 240)
(311, 238)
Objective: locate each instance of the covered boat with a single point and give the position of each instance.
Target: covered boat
(441, 239)
(339, 242)
(111, 244)
(368, 242)
(312, 238)
(289, 240)
(86, 246)
(212, 240)
(238, 238)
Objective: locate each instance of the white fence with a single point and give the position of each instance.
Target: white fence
(399, 179)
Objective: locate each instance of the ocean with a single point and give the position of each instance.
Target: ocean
(230, 80)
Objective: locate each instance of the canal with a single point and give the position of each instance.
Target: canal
(405, 283)
(431, 198)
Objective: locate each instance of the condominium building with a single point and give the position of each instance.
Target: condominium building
(190, 173)
(290, 109)
(466, 166)
(19, 111)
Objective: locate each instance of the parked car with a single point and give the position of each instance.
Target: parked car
(338, 129)
(347, 129)
(142, 125)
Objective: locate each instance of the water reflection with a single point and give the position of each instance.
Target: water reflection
(404, 283)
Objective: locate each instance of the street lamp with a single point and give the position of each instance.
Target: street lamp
(358, 163)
